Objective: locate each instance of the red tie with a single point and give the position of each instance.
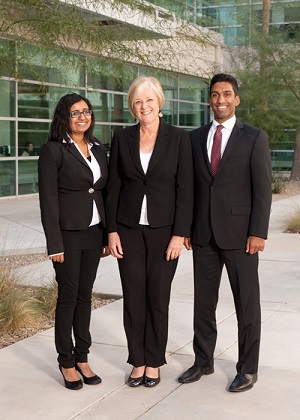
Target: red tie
(216, 149)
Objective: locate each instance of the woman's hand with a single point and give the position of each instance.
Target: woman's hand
(60, 258)
(114, 244)
(105, 252)
(174, 248)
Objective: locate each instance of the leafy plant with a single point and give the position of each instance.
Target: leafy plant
(278, 184)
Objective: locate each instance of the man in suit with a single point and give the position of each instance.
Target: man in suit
(232, 174)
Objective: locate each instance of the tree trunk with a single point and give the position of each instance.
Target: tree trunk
(295, 174)
(266, 18)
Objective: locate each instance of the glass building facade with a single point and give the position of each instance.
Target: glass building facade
(27, 106)
(235, 18)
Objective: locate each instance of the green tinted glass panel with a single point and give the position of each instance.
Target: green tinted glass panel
(104, 134)
(28, 177)
(8, 58)
(103, 74)
(110, 107)
(7, 178)
(50, 66)
(7, 102)
(193, 89)
(170, 112)
(7, 138)
(35, 133)
(37, 101)
(193, 114)
(282, 160)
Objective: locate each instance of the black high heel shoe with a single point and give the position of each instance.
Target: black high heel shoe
(74, 385)
(92, 380)
(134, 382)
(152, 382)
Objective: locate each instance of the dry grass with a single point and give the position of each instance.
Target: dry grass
(293, 224)
(26, 310)
(17, 309)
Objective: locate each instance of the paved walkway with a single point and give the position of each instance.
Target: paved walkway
(31, 387)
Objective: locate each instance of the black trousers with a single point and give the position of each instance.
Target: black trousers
(242, 271)
(146, 280)
(75, 278)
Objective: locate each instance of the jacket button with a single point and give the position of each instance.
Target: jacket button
(91, 190)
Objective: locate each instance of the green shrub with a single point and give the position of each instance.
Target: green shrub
(278, 184)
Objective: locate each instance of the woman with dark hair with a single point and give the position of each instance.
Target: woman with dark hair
(72, 173)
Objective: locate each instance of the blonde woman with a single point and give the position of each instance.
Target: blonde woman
(149, 212)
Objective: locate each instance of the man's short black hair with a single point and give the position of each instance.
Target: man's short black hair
(222, 77)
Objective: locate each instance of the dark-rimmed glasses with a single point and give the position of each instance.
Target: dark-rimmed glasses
(85, 113)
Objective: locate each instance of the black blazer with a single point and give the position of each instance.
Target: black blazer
(236, 202)
(67, 191)
(168, 183)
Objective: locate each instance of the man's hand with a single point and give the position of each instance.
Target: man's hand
(60, 258)
(255, 244)
(188, 244)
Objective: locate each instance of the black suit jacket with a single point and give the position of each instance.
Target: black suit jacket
(168, 183)
(67, 191)
(236, 202)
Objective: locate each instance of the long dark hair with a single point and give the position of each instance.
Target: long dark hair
(60, 125)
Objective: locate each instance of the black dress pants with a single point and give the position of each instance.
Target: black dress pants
(242, 271)
(75, 278)
(146, 280)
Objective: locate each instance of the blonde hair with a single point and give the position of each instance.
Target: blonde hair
(141, 83)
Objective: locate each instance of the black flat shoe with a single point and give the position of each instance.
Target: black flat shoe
(134, 382)
(152, 382)
(92, 380)
(243, 382)
(74, 385)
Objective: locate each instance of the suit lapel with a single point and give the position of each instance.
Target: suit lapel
(101, 159)
(71, 148)
(134, 146)
(203, 144)
(162, 140)
(232, 141)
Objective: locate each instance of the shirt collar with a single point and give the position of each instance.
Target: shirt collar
(228, 124)
(90, 145)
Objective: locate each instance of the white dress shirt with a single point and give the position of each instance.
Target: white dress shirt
(226, 131)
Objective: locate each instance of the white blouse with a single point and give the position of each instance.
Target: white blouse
(96, 170)
(145, 159)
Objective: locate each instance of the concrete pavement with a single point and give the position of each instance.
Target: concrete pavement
(31, 387)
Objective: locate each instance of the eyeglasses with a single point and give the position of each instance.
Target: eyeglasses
(85, 113)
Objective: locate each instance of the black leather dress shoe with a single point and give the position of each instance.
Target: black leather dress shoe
(194, 373)
(243, 382)
(134, 382)
(92, 380)
(151, 382)
(74, 385)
